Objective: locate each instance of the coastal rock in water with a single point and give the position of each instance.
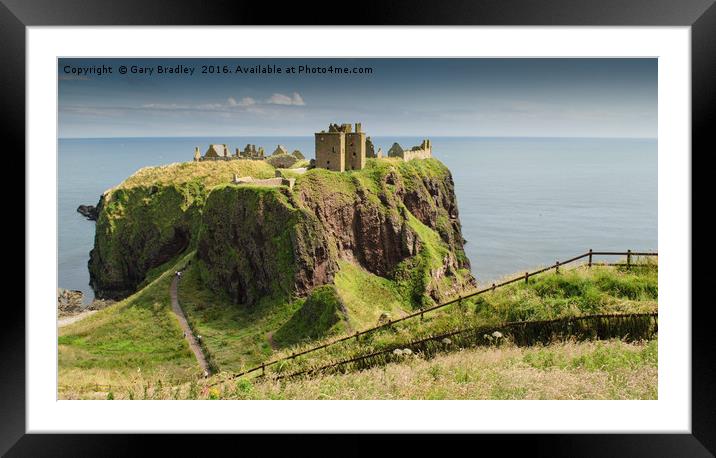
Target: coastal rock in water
(88, 211)
(69, 301)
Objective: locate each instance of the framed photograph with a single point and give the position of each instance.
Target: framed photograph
(419, 219)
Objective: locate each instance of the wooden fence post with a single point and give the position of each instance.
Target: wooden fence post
(527, 277)
(556, 266)
(263, 369)
(628, 259)
(590, 257)
(357, 337)
(493, 287)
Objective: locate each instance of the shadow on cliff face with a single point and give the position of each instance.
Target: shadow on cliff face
(135, 269)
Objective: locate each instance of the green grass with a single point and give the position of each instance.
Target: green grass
(563, 370)
(136, 337)
(236, 337)
(367, 296)
(322, 314)
(140, 333)
(575, 292)
(206, 173)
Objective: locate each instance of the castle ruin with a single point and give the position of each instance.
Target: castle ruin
(422, 151)
(342, 148)
(220, 152)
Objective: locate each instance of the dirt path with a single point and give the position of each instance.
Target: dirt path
(193, 344)
(74, 318)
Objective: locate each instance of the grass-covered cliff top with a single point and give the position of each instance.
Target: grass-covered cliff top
(212, 173)
(208, 173)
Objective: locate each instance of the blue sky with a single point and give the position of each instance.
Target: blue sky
(412, 97)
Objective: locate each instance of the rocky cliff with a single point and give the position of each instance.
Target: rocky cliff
(396, 219)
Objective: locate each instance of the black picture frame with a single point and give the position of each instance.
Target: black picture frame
(700, 15)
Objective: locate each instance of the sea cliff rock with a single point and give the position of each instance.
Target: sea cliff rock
(139, 229)
(397, 219)
(255, 243)
(88, 211)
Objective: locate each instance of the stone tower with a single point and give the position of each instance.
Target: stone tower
(340, 148)
(355, 149)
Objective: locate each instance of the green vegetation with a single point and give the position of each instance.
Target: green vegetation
(282, 161)
(270, 272)
(238, 338)
(235, 337)
(153, 216)
(583, 291)
(322, 314)
(205, 173)
(253, 242)
(367, 296)
(563, 370)
(574, 292)
(137, 338)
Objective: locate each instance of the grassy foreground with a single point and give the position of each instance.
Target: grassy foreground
(135, 340)
(569, 370)
(135, 349)
(575, 292)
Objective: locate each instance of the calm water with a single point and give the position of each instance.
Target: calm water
(523, 202)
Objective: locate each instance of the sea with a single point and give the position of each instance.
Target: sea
(523, 202)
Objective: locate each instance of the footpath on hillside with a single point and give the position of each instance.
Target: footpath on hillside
(193, 344)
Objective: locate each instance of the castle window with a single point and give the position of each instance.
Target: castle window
(328, 162)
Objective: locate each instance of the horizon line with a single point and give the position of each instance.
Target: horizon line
(393, 135)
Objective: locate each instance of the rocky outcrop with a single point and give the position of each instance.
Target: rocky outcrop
(69, 302)
(137, 230)
(396, 219)
(256, 244)
(88, 211)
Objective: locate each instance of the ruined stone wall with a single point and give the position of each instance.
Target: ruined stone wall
(417, 154)
(330, 151)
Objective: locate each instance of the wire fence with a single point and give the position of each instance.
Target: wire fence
(633, 326)
(420, 313)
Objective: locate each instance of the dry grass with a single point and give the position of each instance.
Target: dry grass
(566, 370)
(588, 370)
(209, 173)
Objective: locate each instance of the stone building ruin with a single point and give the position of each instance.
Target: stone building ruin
(220, 152)
(341, 148)
(250, 152)
(345, 148)
(422, 151)
(280, 149)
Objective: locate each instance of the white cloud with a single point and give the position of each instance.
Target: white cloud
(245, 102)
(282, 99)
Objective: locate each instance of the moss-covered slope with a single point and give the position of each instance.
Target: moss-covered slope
(395, 219)
(255, 243)
(152, 217)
